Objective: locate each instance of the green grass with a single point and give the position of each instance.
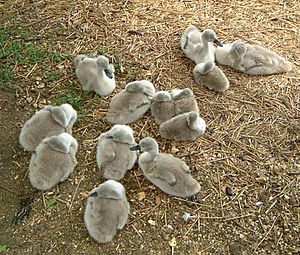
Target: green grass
(3, 248)
(51, 204)
(17, 49)
(71, 97)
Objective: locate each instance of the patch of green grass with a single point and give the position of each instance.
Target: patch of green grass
(15, 49)
(3, 248)
(71, 98)
(55, 76)
(51, 204)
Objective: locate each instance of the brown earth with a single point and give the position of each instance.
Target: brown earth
(251, 145)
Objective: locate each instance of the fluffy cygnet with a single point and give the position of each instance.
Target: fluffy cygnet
(131, 103)
(106, 211)
(191, 44)
(162, 107)
(252, 59)
(168, 173)
(184, 101)
(52, 120)
(183, 127)
(209, 75)
(53, 161)
(95, 74)
(113, 155)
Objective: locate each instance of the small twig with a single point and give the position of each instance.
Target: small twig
(137, 231)
(31, 70)
(3, 187)
(136, 219)
(82, 178)
(266, 234)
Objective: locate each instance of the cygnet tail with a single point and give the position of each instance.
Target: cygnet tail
(111, 173)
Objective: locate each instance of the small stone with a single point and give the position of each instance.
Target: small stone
(186, 217)
(152, 222)
(38, 78)
(262, 180)
(229, 191)
(141, 195)
(259, 204)
(41, 86)
(174, 150)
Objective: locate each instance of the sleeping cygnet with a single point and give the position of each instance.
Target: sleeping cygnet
(53, 161)
(52, 120)
(106, 211)
(131, 103)
(209, 75)
(168, 173)
(184, 101)
(252, 59)
(113, 155)
(184, 127)
(162, 107)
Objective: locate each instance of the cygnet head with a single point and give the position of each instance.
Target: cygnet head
(142, 86)
(162, 96)
(109, 189)
(71, 114)
(146, 145)
(181, 93)
(204, 68)
(121, 133)
(103, 64)
(62, 142)
(209, 35)
(240, 48)
(195, 122)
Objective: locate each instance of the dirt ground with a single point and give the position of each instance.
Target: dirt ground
(252, 143)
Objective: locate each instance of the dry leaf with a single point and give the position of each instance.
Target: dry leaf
(157, 200)
(173, 242)
(141, 195)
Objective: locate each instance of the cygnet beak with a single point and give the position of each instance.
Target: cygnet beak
(218, 42)
(108, 73)
(135, 148)
(94, 194)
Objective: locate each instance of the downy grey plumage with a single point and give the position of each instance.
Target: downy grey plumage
(113, 155)
(131, 103)
(252, 59)
(191, 44)
(184, 127)
(52, 120)
(168, 173)
(209, 75)
(162, 107)
(106, 211)
(95, 74)
(184, 101)
(53, 161)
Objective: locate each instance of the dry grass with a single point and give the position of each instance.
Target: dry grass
(252, 143)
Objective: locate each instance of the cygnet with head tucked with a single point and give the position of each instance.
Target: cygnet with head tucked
(131, 103)
(53, 161)
(184, 101)
(168, 173)
(52, 120)
(209, 75)
(162, 107)
(184, 127)
(95, 74)
(252, 59)
(106, 211)
(113, 155)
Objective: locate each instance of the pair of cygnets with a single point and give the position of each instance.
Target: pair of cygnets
(247, 58)
(177, 113)
(48, 135)
(116, 154)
